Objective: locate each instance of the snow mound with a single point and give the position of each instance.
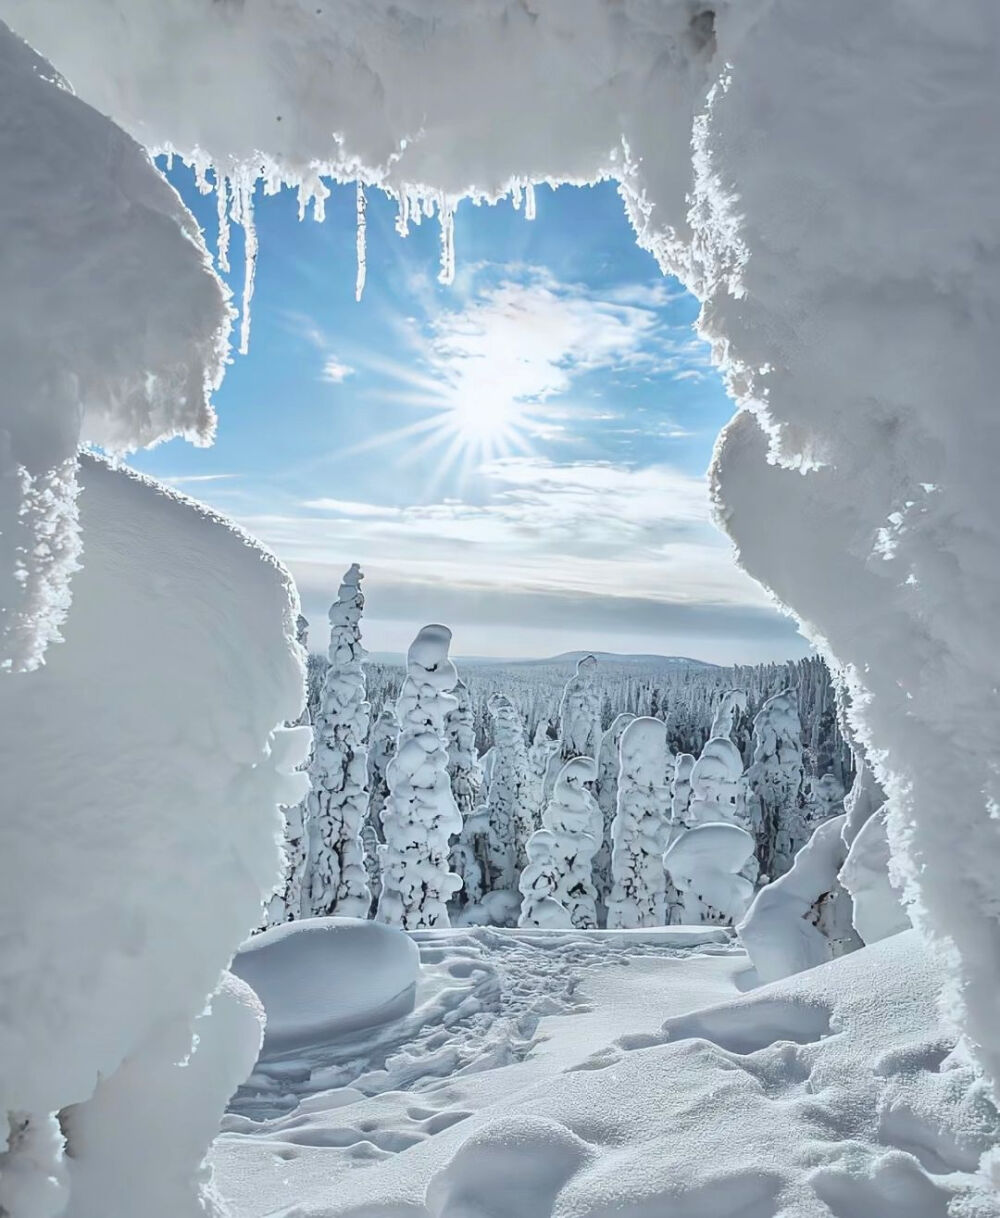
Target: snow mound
(322, 977)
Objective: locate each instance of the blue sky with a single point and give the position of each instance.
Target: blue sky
(519, 454)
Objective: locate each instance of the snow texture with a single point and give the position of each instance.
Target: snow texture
(557, 883)
(639, 834)
(717, 789)
(319, 978)
(113, 329)
(420, 816)
(803, 918)
(466, 779)
(507, 810)
(159, 800)
(733, 703)
(774, 779)
(336, 876)
(680, 790)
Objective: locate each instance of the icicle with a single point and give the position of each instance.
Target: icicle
(222, 210)
(243, 208)
(447, 220)
(517, 196)
(361, 240)
(529, 201)
(403, 214)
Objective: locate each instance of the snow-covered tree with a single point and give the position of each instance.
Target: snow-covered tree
(336, 875)
(508, 812)
(381, 750)
(639, 833)
(466, 780)
(680, 800)
(556, 885)
(774, 780)
(707, 864)
(420, 816)
(824, 799)
(606, 789)
(544, 747)
(717, 792)
(579, 719)
(286, 904)
(734, 702)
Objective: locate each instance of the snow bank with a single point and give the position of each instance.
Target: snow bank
(142, 778)
(321, 977)
(113, 328)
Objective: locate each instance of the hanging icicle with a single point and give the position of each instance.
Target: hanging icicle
(529, 201)
(446, 218)
(517, 196)
(242, 189)
(361, 240)
(403, 214)
(222, 210)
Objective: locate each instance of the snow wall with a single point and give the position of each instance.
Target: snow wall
(822, 174)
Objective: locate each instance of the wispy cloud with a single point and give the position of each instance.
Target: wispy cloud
(179, 480)
(335, 372)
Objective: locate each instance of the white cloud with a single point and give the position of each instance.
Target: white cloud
(191, 479)
(588, 527)
(335, 372)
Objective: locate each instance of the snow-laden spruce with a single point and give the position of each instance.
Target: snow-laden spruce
(774, 781)
(337, 880)
(708, 866)
(508, 811)
(733, 703)
(420, 816)
(544, 746)
(606, 790)
(466, 782)
(579, 719)
(286, 904)
(639, 833)
(680, 791)
(381, 749)
(717, 791)
(557, 886)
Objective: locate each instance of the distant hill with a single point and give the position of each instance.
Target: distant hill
(565, 659)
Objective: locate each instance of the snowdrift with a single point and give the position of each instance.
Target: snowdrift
(322, 977)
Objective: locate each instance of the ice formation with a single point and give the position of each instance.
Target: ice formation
(556, 885)
(639, 833)
(420, 817)
(336, 877)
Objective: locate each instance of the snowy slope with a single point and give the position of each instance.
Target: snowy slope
(500, 1097)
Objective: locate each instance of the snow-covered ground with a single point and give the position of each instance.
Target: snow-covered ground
(584, 1074)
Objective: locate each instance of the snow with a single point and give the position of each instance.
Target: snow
(705, 864)
(804, 917)
(143, 768)
(319, 978)
(121, 355)
(585, 1075)
(877, 908)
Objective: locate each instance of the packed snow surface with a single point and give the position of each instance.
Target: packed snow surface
(321, 977)
(547, 1074)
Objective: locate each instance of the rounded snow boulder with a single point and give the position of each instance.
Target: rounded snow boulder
(321, 977)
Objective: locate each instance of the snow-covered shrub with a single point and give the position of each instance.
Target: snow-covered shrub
(556, 884)
(420, 817)
(803, 918)
(774, 779)
(336, 877)
(606, 790)
(706, 865)
(508, 813)
(639, 894)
